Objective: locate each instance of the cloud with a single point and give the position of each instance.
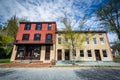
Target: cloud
(50, 10)
(44, 10)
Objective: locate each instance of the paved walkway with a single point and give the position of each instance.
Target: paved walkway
(90, 63)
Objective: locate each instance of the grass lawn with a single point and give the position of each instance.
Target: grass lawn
(5, 60)
(117, 60)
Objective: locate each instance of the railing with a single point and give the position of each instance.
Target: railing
(33, 42)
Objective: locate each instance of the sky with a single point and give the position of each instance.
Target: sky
(53, 10)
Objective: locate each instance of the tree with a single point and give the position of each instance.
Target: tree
(7, 37)
(109, 15)
(72, 39)
(8, 34)
(12, 27)
(5, 45)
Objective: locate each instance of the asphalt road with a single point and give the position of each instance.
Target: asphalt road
(59, 74)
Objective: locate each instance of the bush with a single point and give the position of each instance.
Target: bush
(5, 53)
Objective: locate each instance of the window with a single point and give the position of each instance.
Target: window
(59, 40)
(94, 40)
(104, 53)
(81, 53)
(38, 26)
(59, 34)
(48, 37)
(87, 41)
(93, 34)
(66, 39)
(49, 26)
(21, 47)
(102, 40)
(89, 53)
(37, 37)
(36, 52)
(27, 26)
(100, 34)
(25, 37)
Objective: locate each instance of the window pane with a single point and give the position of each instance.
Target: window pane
(25, 37)
(38, 26)
(27, 26)
(59, 34)
(37, 37)
(102, 40)
(94, 40)
(87, 41)
(89, 53)
(59, 40)
(81, 53)
(49, 26)
(66, 39)
(49, 36)
(104, 53)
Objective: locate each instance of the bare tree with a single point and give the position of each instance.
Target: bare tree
(109, 15)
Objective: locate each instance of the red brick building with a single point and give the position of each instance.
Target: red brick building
(34, 41)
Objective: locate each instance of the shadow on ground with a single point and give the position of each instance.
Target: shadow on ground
(98, 74)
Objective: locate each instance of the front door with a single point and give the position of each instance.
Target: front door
(59, 54)
(28, 53)
(47, 53)
(97, 54)
(67, 54)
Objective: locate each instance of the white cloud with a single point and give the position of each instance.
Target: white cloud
(49, 10)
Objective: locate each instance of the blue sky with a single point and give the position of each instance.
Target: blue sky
(52, 10)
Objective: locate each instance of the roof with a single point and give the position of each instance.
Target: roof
(90, 31)
(37, 22)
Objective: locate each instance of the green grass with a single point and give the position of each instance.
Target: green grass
(4, 60)
(116, 59)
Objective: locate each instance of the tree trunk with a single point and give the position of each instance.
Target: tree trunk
(118, 36)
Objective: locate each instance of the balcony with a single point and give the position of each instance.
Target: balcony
(33, 42)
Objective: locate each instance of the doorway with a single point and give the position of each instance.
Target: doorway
(97, 54)
(59, 54)
(47, 53)
(28, 53)
(67, 54)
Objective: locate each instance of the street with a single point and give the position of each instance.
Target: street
(59, 74)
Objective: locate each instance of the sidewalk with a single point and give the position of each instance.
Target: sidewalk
(62, 64)
(9, 65)
(89, 63)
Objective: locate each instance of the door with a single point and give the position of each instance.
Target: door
(47, 53)
(97, 54)
(67, 54)
(59, 54)
(28, 53)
